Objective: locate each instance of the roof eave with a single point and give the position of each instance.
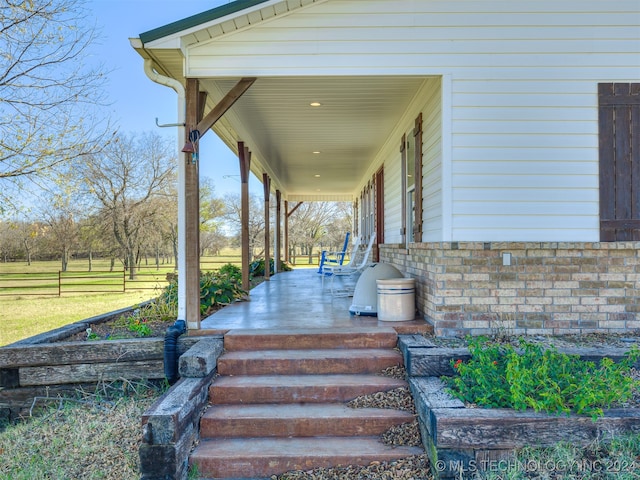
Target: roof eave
(199, 19)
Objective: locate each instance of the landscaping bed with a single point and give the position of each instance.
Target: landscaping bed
(462, 439)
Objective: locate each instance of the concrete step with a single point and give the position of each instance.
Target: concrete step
(311, 338)
(298, 420)
(297, 362)
(297, 388)
(263, 457)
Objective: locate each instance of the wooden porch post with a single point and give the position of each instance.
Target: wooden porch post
(244, 156)
(287, 214)
(286, 231)
(277, 255)
(266, 183)
(192, 210)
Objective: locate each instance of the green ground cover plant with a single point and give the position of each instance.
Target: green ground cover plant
(539, 377)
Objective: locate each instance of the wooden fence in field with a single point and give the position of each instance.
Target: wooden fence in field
(77, 282)
(58, 283)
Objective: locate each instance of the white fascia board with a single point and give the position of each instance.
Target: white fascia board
(174, 40)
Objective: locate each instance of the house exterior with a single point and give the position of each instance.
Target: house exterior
(493, 146)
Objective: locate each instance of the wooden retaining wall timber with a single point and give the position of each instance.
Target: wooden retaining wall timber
(52, 369)
(171, 426)
(463, 441)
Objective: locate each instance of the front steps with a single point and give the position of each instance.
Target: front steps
(278, 404)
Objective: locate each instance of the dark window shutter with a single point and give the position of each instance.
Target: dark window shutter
(619, 138)
(417, 135)
(403, 195)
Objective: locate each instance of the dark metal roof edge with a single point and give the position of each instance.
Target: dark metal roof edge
(200, 18)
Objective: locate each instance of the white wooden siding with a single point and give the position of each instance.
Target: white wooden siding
(524, 75)
(428, 103)
(432, 164)
(393, 197)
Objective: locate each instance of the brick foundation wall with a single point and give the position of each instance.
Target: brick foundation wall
(550, 288)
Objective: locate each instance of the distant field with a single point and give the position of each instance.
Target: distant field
(35, 306)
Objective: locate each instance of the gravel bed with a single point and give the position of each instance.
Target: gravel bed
(395, 372)
(407, 434)
(409, 468)
(398, 399)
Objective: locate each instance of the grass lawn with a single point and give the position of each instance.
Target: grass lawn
(29, 311)
(22, 317)
(92, 436)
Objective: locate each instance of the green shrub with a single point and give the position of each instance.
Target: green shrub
(498, 375)
(256, 268)
(217, 289)
(230, 270)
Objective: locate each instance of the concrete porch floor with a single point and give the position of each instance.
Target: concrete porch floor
(296, 300)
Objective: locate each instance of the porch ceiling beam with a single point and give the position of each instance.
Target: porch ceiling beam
(225, 104)
(294, 209)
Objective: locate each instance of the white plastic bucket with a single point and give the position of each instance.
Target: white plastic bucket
(396, 299)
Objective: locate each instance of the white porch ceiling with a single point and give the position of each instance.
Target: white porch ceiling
(275, 120)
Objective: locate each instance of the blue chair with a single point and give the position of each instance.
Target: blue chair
(334, 258)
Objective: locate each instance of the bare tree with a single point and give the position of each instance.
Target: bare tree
(62, 210)
(233, 216)
(212, 211)
(126, 179)
(62, 233)
(49, 90)
(163, 238)
(92, 237)
(315, 224)
(340, 223)
(29, 235)
(9, 241)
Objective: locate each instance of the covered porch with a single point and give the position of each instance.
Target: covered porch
(296, 300)
(311, 129)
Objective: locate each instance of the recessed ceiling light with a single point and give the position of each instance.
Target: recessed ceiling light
(317, 176)
(315, 104)
(316, 152)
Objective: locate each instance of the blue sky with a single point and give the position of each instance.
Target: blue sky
(136, 100)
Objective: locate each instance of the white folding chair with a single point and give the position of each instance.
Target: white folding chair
(352, 269)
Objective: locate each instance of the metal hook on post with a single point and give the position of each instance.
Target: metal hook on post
(165, 125)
